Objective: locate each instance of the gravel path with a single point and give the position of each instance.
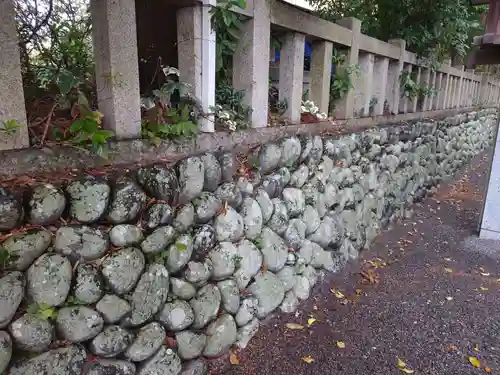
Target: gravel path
(434, 305)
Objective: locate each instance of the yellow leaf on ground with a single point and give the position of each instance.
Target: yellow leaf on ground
(449, 270)
(483, 289)
(407, 370)
(340, 344)
(401, 363)
(294, 326)
(474, 362)
(476, 347)
(307, 359)
(310, 321)
(359, 292)
(233, 358)
(337, 293)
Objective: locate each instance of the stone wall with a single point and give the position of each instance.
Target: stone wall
(151, 273)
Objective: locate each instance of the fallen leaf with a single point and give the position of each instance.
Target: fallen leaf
(487, 370)
(294, 326)
(407, 370)
(310, 321)
(485, 273)
(449, 298)
(340, 344)
(337, 293)
(233, 358)
(483, 289)
(401, 363)
(344, 302)
(452, 347)
(448, 259)
(359, 292)
(474, 362)
(308, 359)
(476, 348)
(449, 270)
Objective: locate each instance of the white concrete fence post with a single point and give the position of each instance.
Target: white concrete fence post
(380, 75)
(404, 102)
(393, 92)
(344, 108)
(320, 75)
(363, 85)
(292, 74)
(189, 54)
(117, 69)
(251, 63)
(12, 106)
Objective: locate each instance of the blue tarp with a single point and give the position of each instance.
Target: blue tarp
(307, 54)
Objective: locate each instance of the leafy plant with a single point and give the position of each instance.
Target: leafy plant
(171, 112)
(230, 111)
(10, 127)
(341, 80)
(227, 26)
(43, 311)
(309, 107)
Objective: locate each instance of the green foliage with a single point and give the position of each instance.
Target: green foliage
(227, 26)
(43, 311)
(172, 111)
(10, 127)
(87, 130)
(341, 80)
(435, 29)
(6, 258)
(411, 89)
(230, 112)
(259, 242)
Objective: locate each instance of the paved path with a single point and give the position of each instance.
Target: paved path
(437, 301)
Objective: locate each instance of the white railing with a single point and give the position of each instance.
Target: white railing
(377, 90)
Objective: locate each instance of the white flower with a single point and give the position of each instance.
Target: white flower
(170, 70)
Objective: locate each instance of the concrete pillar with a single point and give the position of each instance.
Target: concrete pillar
(189, 55)
(443, 93)
(490, 220)
(393, 93)
(116, 65)
(460, 81)
(416, 74)
(453, 92)
(292, 74)
(380, 72)
(320, 75)
(439, 88)
(433, 96)
(208, 62)
(251, 63)
(12, 107)
(425, 83)
(404, 100)
(345, 107)
(363, 85)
